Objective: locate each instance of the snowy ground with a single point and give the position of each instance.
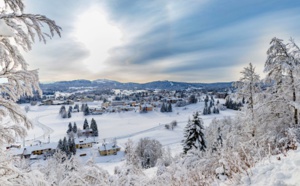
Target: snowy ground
(122, 126)
(277, 170)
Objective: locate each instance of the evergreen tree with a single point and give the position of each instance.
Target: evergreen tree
(82, 108)
(74, 128)
(70, 109)
(69, 114)
(194, 134)
(69, 127)
(170, 107)
(205, 111)
(60, 145)
(85, 124)
(208, 110)
(94, 127)
(205, 105)
(72, 146)
(163, 108)
(211, 103)
(86, 110)
(65, 146)
(62, 108)
(76, 107)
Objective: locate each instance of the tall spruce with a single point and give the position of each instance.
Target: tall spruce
(94, 127)
(194, 134)
(85, 124)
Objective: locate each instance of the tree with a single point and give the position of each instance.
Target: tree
(282, 66)
(194, 134)
(65, 146)
(149, 151)
(74, 128)
(163, 108)
(18, 31)
(86, 110)
(192, 99)
(170, 107)
(86, 124)
(94, 127)
(72, 146)
(69, 128)
(69, 114)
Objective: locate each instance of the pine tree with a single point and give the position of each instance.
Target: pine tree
(69, 127)
(208, 110)
(70, 109)
(94, 127)
(82, 108)
(65, 146)
(170, 107)
(86, 124)
(74, 128)
(163, 108)
(205, 111)
(60, 145)
(194, 134)
(86, 110)
(69, 114)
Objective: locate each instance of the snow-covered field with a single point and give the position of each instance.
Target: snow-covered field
(123, 126)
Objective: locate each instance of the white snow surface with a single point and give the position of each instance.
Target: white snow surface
(123, 126)
(274, 172)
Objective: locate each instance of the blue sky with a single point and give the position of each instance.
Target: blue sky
(142, 41)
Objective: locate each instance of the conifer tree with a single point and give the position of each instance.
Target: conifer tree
(85, 124)
(74, 128)
(170, 107)
(69, 127)
(86, 110)
(163, 108)
(194, 134)
(94, 127)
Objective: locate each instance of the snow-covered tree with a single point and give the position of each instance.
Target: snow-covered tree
(94, 127)
(69, 128)
(74, 128)
(18, 31)
(85, 124)
(194, 134)
(170, 107)
(282, 66)
(148, 150)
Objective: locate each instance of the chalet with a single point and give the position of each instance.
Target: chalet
(83, 143)
(117, 103)
(47, 102)
(146, 108)
(85, 132)
(108, 149)
(40, 149)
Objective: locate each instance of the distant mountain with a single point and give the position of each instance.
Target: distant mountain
(111, 84)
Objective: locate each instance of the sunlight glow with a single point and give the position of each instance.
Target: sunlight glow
(98, 35)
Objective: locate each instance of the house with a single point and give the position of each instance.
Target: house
(83, 143)
(47, 102)
(107, 149)
(146, 108)
(44, 149)
(117, 103)
(85, 132)
(221, 95)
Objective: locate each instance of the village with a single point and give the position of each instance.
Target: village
(86, 140)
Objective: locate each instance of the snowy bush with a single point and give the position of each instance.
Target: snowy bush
(148, 151)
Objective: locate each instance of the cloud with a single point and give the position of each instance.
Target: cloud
(183, 40)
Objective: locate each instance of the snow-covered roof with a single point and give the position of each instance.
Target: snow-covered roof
(84, 140)
(108, 146)
(30, 149)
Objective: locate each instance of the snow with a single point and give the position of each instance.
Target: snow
(122, 126)
(5, 30)
(275, 172)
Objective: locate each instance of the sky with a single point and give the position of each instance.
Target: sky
(143, 41)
